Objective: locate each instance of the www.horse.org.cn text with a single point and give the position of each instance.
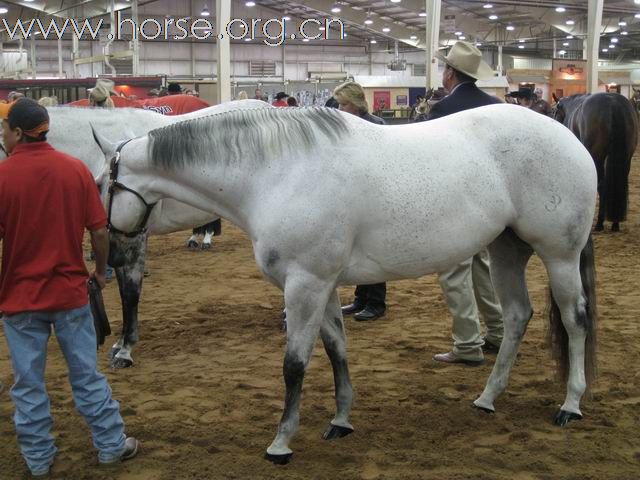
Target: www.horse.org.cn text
(272, 32)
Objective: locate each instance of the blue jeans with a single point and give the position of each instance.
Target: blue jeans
(27, 336)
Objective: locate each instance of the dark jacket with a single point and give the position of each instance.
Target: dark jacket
(466, 96)
(372, 118)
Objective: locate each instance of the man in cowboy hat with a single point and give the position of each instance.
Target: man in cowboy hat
(44, 287)
(467, 286)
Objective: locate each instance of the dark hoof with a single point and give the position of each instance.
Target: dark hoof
(483, 409)
(615, 227)
(283, 326)
(335, 431)
(119, 363)
(563, 417)
(206, 246)
(599, 228)
(279, 459)
(192, 244)
(113, 352)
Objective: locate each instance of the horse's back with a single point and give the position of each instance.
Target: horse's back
(478, 171)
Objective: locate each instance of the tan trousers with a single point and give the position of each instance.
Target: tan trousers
(467, 288)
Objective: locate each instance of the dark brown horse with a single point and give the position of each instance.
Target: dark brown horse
(607, 125)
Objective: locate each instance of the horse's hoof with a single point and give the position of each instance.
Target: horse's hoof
(283, 326)
(483, 408)
(563, 417)
(599, 228)
(336, 431)
(120, 363)
(113, 352)
(206, 246)
(615, 227)
(279, 459)
(192, 244)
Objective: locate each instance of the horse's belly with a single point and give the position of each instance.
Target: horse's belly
(396, 254)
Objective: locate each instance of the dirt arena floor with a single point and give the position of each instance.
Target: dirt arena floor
(206, 392)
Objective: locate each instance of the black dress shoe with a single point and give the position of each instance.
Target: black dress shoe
(355, 307)
(490, 348)
(368, 313)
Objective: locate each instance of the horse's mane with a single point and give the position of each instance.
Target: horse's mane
(249, 134)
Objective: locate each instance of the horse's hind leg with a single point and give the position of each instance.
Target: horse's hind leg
(333, 338)
(509, 256)
(306, 299)
(206, 242)
(566, 287)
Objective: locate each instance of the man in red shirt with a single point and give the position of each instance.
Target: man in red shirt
(47, 199)
(281, 100)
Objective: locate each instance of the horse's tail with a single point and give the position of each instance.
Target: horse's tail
(557, 334)
(621, 147)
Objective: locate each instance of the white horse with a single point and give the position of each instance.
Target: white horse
(71, 132)
(427, 196)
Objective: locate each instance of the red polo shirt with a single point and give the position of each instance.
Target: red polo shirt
(47, 199)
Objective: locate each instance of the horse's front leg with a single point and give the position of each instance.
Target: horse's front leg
(130, 277)
(335, 344)
(306, 299)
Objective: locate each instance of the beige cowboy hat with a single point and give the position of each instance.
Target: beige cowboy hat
(467, 59)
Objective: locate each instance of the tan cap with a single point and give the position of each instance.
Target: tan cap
(467, 59)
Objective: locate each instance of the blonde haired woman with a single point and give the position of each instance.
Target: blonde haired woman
(369, 302)
(100, 96)
(242, 95)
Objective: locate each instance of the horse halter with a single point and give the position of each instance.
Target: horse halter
(114, 185)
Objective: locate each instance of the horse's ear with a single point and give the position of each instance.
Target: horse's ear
(105, 145)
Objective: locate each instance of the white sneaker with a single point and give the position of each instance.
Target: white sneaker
(131, 446)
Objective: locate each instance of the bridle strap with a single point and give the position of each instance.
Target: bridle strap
(114, 185)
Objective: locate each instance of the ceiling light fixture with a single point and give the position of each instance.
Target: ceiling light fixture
(3, 10)
(373, 40)
(637, 15)
(562, 52)
(520, 46)
(413, 37)
(386, 29)
(336, 8)
(565, 44)
(487, 5)
(612, 46)
(622, 23)
(205, 12)
(422, 14)
(250, 4)
(624, 33)
(569, 37)
(396, 1)
(458, 34)
(511, 28)
(561, 9)
(478, 44)
(521, 40)
(462, 37)
(493, 17)
(570, 22)
(605, 50)
(368, 21)
(614, 40)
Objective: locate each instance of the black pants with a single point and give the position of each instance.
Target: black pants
(372, 295)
